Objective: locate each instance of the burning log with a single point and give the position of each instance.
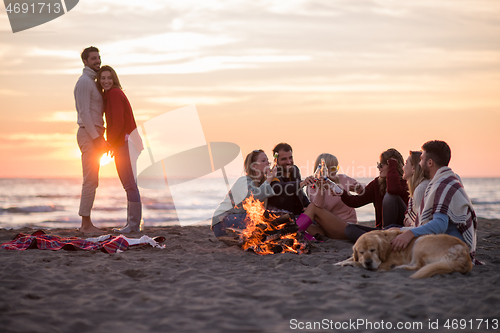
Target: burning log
(269, 232)
(230, 240)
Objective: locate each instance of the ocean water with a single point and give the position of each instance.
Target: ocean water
(53, 203)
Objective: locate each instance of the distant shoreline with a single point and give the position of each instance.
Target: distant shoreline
(79, 177)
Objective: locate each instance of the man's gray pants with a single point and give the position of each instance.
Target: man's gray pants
(90, 167)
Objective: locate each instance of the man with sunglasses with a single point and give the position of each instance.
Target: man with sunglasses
(288, 183)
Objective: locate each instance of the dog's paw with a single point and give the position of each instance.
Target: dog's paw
(347, 262)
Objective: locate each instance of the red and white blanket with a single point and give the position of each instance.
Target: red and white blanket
(106, 243)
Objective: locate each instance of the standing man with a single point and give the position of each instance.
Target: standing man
(89, 106)
(288, 183)
(446, 208)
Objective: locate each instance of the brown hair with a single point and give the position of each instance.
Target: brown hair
(249, 161)
(418, 174)
(438, 151)
(282, 146)
(384, 158)
(85, 53)
(114, 76)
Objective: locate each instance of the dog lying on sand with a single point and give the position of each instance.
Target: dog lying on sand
(429, 254)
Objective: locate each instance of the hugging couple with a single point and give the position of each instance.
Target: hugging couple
(98, 92)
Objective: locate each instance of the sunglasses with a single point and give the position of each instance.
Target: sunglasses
(380, 165)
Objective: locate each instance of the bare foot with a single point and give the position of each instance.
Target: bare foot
(88, 227)
(90, 230)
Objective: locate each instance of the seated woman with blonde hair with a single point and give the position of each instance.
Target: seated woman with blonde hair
(322, 197)
(388, 193)
(417, 183)
(256, 183)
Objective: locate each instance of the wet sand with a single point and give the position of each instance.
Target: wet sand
(198, 284)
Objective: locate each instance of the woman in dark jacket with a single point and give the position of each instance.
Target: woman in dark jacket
(388, 193)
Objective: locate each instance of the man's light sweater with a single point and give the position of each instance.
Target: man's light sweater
(89, 103)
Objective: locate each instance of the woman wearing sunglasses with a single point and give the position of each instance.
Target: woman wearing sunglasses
(256, 183)
(388, 193)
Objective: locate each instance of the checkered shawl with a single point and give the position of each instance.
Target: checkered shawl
(40, 240)
(446, 194)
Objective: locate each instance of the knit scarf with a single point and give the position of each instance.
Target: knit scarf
(445, 194)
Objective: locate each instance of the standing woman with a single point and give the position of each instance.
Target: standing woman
(120, 123)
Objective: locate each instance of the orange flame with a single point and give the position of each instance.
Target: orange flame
(254, 235)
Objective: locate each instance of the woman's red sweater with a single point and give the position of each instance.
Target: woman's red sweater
(395, 185)
(119, 117)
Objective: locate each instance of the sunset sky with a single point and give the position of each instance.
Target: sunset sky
(349, 77)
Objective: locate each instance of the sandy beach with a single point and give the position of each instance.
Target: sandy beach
(198, 284)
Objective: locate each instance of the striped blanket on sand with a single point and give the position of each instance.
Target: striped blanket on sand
(107, 243)
(446, 194)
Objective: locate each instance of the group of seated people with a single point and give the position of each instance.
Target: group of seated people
(420, 196)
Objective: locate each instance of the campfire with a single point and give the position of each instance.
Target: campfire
(268, 232)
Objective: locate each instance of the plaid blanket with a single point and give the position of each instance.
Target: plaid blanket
(445, 194)
(40, 240)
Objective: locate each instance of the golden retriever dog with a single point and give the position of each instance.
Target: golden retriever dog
(429, 254)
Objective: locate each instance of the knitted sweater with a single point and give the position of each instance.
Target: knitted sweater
(289, 195)
(414, 204)
(119, 117)
(89, 103)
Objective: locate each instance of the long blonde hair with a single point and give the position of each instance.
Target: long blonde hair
(330, 161)
(418, 175)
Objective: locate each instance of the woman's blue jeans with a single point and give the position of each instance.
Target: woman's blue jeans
(236, 221)
(125, 172)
